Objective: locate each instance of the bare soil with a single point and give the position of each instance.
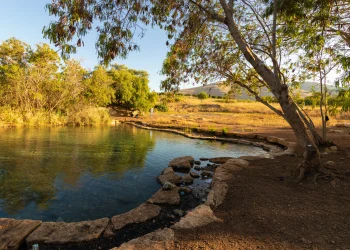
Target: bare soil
(266, 209)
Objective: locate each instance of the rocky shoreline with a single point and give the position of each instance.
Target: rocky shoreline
(181, 202)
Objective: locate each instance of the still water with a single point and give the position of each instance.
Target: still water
(84, 173)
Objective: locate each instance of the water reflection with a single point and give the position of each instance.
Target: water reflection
(74, 174)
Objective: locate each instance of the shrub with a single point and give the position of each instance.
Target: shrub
(225, 131)
(89, 116)
(212, 130)
(161, 107)
(202, 95)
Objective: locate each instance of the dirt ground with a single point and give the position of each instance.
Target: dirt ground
(266, 209)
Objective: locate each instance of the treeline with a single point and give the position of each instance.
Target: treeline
(38, 87)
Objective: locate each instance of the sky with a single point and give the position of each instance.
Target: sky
(25, 19)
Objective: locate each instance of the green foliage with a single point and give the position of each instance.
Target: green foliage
(163, 107)
(212, 130)
(37, 87)
(269, 99)
(131, 88)
(224, 131)
(89, 116)
(202, 95)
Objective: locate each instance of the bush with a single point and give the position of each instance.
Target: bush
(161, 107)
(89, 116)
(212, 130)
(202, 95)
(225, 131)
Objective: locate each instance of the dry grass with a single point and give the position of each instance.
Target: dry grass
(216, 114)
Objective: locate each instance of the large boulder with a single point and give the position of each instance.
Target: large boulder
(220, 160)
(187, 179)
(62, 233)
(140, 214)
(158, 240)
(200, 216)
(182, 163)
(169, 177)
(14, 232)
(171, 197)
(168, 171)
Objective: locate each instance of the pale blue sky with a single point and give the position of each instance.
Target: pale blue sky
(25, 19)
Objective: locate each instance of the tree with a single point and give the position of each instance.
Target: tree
(236, 28)
(131, 88)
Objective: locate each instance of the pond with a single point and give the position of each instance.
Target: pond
(84, 173)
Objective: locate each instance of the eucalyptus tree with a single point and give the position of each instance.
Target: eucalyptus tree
(207, 35)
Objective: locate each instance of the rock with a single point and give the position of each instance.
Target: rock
(333, 148)
(171, 197)
(14, 232)
(198, 168)
(219, 186)
(239, 162)
(142, 213)
(187, 179)
(169, 177)
(220, 160)
(182, 163)
(179, 212)
(206, 173)
(204, 159)
(210, 167)
(185, 190)
(305, 241)
(66, 233)
(194, 174)
(168, 186)
(197, 162)
(168, 170)
(330, 165)
(158, 240)
(200, 216)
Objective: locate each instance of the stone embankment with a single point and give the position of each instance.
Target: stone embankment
(164, 204)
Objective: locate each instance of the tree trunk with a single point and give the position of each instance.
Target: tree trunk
(280, 91)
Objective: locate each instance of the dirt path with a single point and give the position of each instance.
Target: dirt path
(266, 209)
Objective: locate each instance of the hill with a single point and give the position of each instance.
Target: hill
(218, 89)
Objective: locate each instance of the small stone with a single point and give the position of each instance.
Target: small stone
(169, 177)
(187, 179)
(220, 160)
(168, 170)
(194, 174)
(198, 168)
(333, 148)
(182, 163)
(171, 197)
(185, 190)
(179, 212)
(305, 241)
(168, 186)
(206, 173)
(330, 164)
(197, 162)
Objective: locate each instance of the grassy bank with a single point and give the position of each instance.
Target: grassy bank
(83, 117)
(233, 116)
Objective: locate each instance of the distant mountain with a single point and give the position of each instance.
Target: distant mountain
(218, 89)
